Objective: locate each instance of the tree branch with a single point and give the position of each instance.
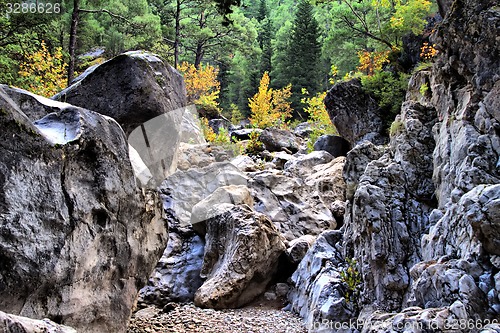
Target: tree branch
(104, 11)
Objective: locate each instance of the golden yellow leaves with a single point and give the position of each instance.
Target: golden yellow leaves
(370, 62)
(202, 85)
(427, 52)
(43, 73)
(270, 107)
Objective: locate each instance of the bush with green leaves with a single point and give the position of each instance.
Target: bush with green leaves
(351, 278)
(389, 90)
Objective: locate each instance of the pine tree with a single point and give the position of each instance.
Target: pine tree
(264, 37)
(266, 47)
(303, 55)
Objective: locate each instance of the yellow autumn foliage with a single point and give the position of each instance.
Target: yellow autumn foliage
(202, 86)
(270, 107)
(43, 73)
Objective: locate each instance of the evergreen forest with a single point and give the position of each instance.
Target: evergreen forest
(259, 59)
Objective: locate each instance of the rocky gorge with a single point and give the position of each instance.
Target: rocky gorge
(113, 206)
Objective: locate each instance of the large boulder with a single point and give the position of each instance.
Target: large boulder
(241, 254)
(132, 88)
(334, 144)
(275, 139)
(184, 189)
(294, 207)
(355, 113)
(77, 236)
(14, 324)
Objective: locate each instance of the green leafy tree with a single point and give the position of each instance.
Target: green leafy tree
(116, 25)
(303, 53)
(265, 36)
(20, 36)
(43, 73)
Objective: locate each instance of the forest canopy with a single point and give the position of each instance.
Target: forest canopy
(308, 45)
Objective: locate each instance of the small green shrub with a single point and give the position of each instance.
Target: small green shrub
(422, 66)
(254, 145)
(423, 89)
(351, 277)
(389, 90)
(222, 138)
(396, 127)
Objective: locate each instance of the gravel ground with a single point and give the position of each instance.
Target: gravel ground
(186, 318)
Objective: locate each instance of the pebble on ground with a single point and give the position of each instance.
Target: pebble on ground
(186, 318)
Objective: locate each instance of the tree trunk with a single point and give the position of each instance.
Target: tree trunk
(177, 33)
(75, 16)
(198, 54)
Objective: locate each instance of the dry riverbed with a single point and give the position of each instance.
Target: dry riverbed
(186, 318)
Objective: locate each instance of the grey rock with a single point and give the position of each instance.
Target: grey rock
(217, 124)
(132, 88)
(303, 130)
(303, 165)
(356, 162)
(78, 238)
(389, 210)
(244, 163)
(318, 291)
(282, 289)
(177, 275)
(184, 189)
(243, 134)
(241, 254)
(354, 113)
(335, 145)
(298, 248)
(33, 106)
(193, 156)
(228, 196)
(280, 158)
(10, 323)
(295, 204)
(277, 140)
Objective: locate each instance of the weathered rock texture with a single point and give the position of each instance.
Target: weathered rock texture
(300, 200)
(132, 88)
(16, 324)
(277, 139)
(77, 237)
(319, 291)
(422, 219)
(241, 254)
(354, 113)
(177, 275)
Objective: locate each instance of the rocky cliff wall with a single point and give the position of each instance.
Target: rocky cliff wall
(423, 216)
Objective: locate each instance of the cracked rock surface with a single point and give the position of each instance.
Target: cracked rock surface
(77, 237)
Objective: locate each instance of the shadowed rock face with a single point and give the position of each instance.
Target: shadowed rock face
(354, 113)
(132, 88)
(77, 237)
(422, 219)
